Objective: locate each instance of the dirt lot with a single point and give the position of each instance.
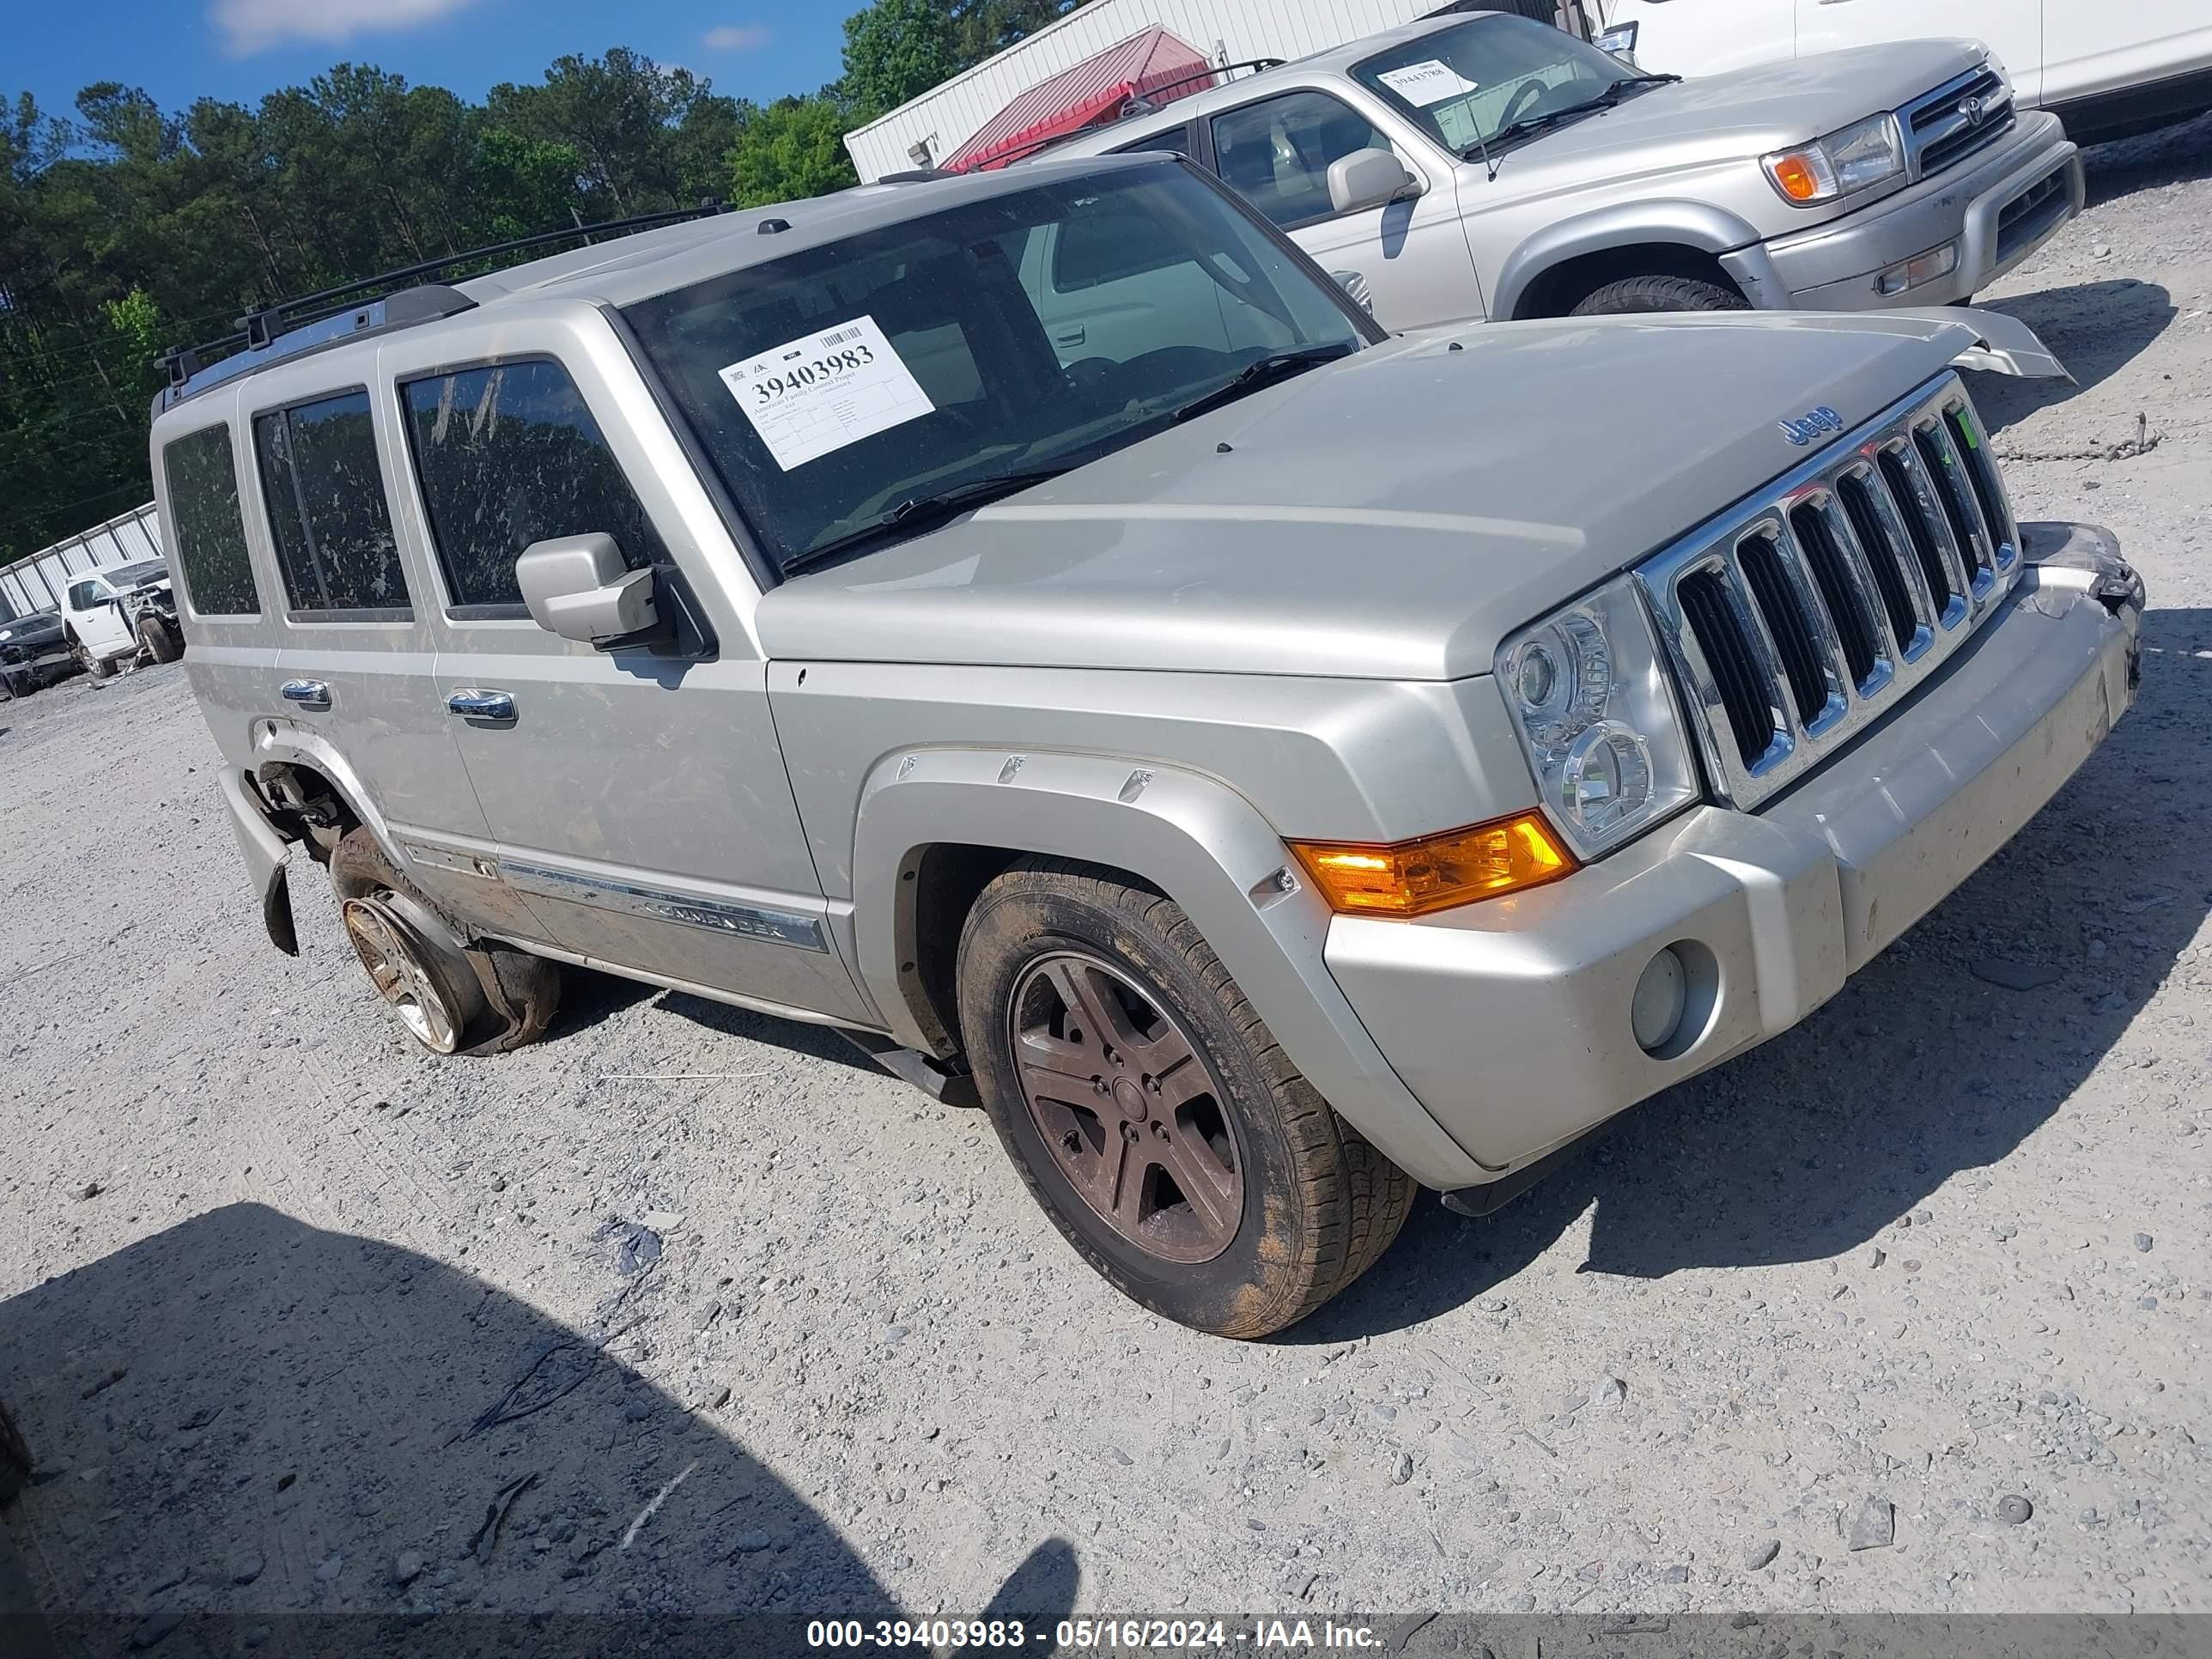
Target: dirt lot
(290, 1307)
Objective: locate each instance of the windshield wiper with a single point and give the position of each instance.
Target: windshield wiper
(1276, 366)
(918, 513)
(1606, 100)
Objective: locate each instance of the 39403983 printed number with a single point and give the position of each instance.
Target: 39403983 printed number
(770, 387)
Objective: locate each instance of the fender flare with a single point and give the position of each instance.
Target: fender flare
(293, 746)
(1200, 843)
(1699, 225)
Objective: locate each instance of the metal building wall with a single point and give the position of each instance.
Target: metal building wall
(1229, 31)
(36, 583)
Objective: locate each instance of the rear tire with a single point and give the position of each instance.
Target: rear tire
(454, 996)
(159, 640)
(1632, 295)
(1189, 1086)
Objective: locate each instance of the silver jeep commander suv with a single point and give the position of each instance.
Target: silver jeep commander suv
(1261, 752)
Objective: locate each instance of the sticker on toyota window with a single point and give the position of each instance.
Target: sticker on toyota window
(813, 396)
(1430, 82)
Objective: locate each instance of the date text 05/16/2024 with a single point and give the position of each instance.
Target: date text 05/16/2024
(1292, 1635)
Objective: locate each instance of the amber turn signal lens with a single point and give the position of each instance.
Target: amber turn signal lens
(1437, 872)
(1796, 176)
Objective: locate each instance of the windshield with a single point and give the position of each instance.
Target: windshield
(1465, 84)
(130, 576)
(841, 387)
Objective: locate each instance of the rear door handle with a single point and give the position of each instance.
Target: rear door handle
(1070, 337)
(308, 693)
(475, 703)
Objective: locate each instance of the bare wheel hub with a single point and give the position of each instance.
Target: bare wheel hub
(399, 967)
(1127, 1107)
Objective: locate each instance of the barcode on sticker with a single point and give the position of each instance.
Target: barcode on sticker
(841, 337)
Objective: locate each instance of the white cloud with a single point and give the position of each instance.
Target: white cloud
(251, 25)
(738, 37)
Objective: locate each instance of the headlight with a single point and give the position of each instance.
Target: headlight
(1590, 695)
(1853, 159)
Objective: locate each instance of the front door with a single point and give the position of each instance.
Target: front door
(1411, 253)
(2013, 28)
(640, 804)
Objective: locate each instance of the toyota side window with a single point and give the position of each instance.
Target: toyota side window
(1276, 154)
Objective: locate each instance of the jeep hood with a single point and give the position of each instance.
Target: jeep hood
(1392, 515)
(1745, 112)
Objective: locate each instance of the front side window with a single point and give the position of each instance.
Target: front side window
(1479, 82)
(1276, 154)
(83, 596)
(507, 454)
(323, 492)
(857, 389)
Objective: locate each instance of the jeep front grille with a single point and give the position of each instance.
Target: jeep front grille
(1959, 117)
(1817, 606)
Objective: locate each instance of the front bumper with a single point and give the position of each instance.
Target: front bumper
(1999, 208)
(1510, 1019)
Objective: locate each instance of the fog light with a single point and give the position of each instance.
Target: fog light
(1655, 1012)
(1920, 269)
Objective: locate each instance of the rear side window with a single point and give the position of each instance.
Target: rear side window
(507, 455)
(325, 494)
(201, 479)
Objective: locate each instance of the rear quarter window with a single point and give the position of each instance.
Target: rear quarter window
(509, 454)
(323, 492)
(201, 477)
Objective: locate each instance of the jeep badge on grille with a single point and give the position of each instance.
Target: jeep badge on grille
(1810, 425)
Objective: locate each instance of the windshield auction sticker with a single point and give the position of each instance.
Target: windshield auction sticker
(1430, 82)
(813, 396)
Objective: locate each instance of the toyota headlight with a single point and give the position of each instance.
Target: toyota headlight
(1854, 158)
(1590, 695)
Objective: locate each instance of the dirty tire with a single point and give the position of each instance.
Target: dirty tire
(97, 668)
(1320, 1205)
(15, 1458)
(520, 992)
(1633, 295)
(159, 640)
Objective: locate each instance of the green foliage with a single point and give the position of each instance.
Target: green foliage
(795, 147)
(125, 228)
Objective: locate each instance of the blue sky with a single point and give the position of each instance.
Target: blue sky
(238, 49)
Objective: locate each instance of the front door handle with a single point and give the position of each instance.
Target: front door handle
(308, 693)
(474, 704)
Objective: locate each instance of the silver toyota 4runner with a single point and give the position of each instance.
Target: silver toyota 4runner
(1491, 165)
(1262, 758)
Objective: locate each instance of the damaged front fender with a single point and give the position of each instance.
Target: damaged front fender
(266, 854)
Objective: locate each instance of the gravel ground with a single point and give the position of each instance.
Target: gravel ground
(1902, 1311)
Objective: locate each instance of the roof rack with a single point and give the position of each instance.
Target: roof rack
(310, 322)
(1136, 103)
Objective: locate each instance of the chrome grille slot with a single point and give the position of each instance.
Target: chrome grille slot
(1796, 646)
(1886, 547)
(1733, 667)
(1917, 510)
(1810, 608)
(1839, 588)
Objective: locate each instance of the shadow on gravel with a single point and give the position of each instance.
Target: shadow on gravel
(2170, 156)
(1807, 1147)
(254, 1434)
(2095, 329)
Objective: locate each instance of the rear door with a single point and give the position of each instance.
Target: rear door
(353, 668)
(638, 802)
(1412, 252)
(2013, 28)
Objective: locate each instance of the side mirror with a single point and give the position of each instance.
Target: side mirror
(578, 587)
(1368, 177)
(1354, 284)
